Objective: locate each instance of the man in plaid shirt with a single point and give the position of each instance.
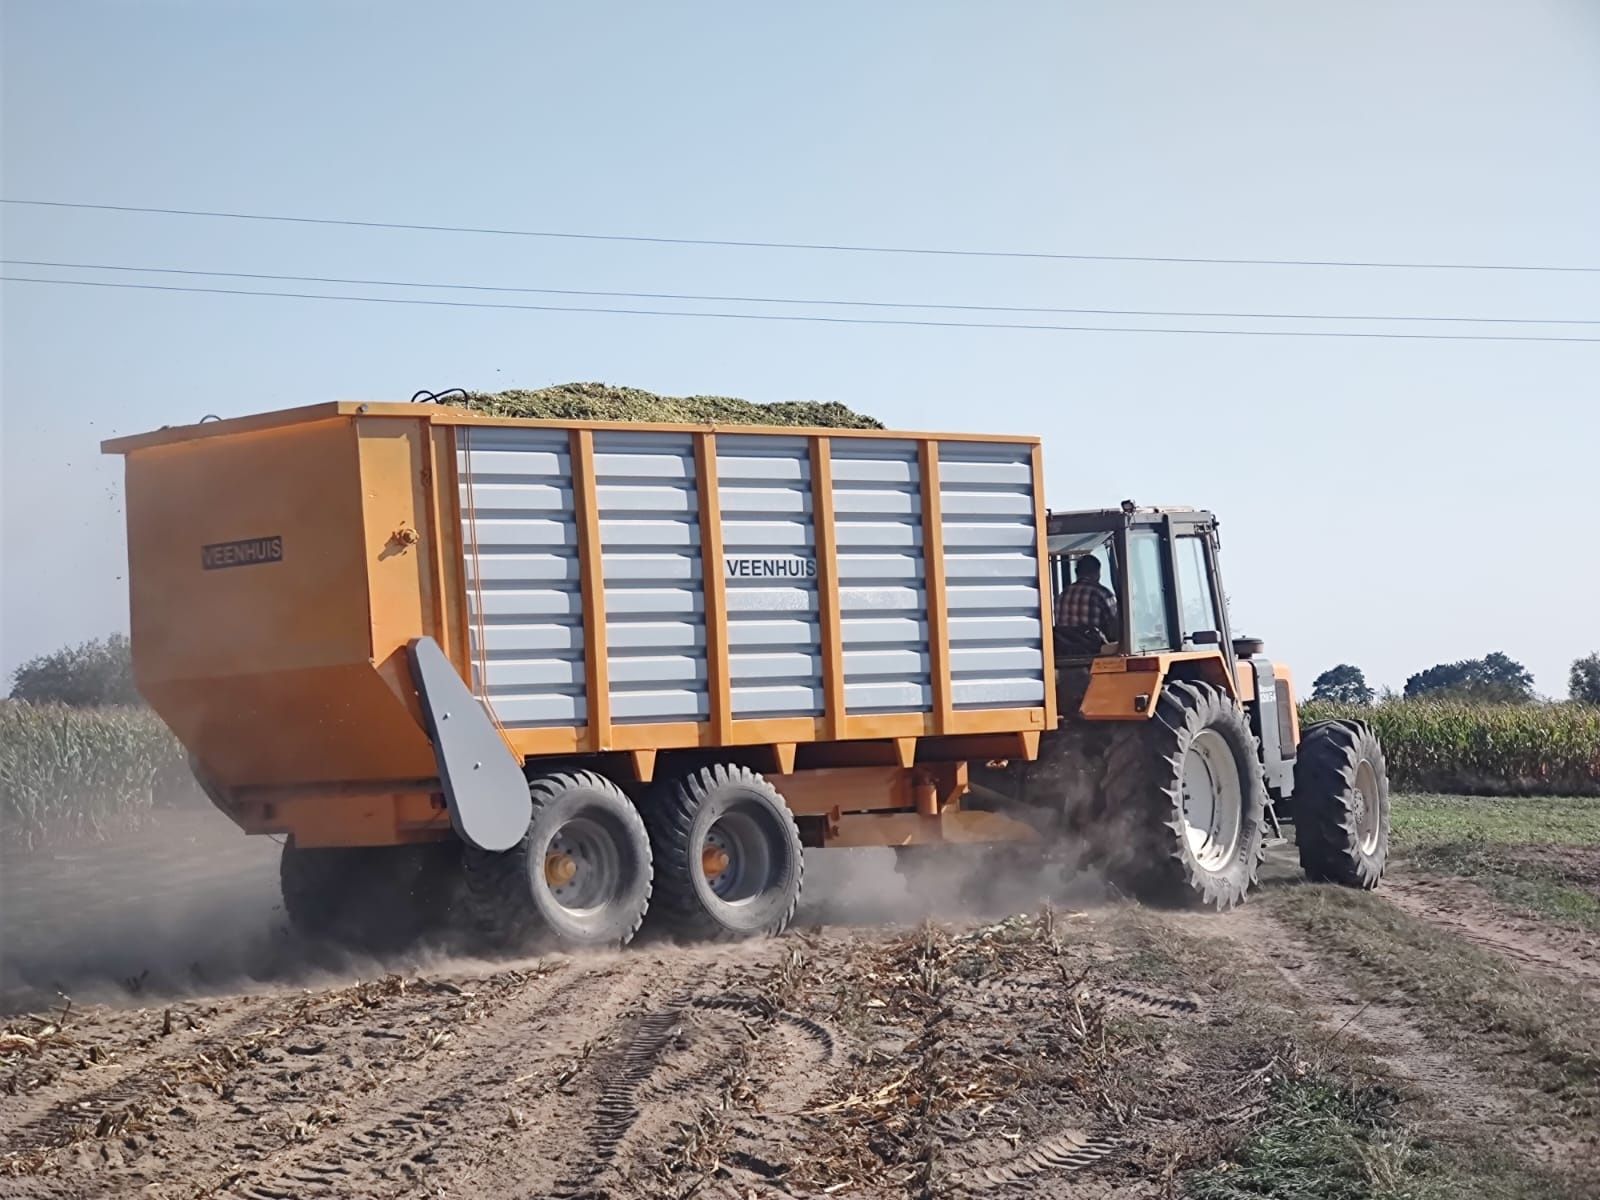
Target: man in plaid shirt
(1088, 604)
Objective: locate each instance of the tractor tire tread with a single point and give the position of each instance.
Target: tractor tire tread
(1330, 754)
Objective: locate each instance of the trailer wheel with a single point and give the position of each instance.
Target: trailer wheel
(1341, 804)
(580, 876)
(1185, 801)
(727, 854)
(377, 898)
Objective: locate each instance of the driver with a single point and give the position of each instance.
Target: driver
(1087, 603)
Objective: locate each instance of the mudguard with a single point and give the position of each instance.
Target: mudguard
(484, 787)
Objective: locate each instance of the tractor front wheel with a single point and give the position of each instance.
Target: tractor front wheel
(1341, 804)
(1184, 801)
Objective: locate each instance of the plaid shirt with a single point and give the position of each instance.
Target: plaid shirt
(1083, 605)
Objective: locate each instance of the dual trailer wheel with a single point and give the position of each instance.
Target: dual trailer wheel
(716, 857)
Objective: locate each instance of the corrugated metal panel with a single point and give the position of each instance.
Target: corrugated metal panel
(770, 568)
(521, 555)
(883, 602)
(992, 572)
(655, 595)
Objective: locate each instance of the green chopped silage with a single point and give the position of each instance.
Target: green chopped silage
(603, 402)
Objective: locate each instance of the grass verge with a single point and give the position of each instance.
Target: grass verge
(1541, 1034)
(1324, 1139)
(1331, 1123)
(1538, 856)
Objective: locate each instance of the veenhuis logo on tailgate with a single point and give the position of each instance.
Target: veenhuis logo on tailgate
(764, 566)
(248, 552)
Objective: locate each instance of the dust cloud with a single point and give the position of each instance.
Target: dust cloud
(190, 907)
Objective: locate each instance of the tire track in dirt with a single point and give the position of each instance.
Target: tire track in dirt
(1466, 1099)
(1463, 908)
(390, 1133)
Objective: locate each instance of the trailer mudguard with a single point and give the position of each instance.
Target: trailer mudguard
(484, 787)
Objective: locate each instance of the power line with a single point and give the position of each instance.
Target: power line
(809, 318)
(701, 298)
(768, 245)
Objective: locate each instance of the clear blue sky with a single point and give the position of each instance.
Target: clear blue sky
(1388, 503)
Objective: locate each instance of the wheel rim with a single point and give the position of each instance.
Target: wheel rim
(1213, 800)
(737, 857)
(582, 865)
(1367, 802)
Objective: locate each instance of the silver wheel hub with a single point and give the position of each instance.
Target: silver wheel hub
(582, 865)
(1213, 800)
(737, 857)
(1367, 807)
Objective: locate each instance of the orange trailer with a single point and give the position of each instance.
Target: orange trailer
(611, 659)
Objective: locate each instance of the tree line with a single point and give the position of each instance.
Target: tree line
(1496, 678)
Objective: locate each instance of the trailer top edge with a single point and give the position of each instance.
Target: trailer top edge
(439, 414)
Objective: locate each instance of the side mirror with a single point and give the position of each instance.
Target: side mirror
(1206, 637)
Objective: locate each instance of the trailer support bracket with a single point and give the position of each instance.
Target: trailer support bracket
(483, 783)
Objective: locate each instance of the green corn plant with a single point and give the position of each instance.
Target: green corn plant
(1512, 749)
(83, 771)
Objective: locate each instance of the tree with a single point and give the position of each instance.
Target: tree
(96, 672)
(1584, 682)
(1343, 684)
(1492, 679)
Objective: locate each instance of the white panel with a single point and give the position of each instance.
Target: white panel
(654, 575)
(764, 486)
(878, 501)
(991, 560)
(520, 551)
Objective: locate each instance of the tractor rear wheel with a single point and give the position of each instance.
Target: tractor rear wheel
(728, 856)
(1341, 804)
(580, 877)
(377, 898)
(1185, 801)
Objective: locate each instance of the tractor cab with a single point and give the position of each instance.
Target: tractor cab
(1160, 564)
(1170, 624)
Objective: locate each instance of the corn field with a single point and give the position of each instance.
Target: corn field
(1496, 750)
(68, 772)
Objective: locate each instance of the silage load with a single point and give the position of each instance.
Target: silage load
(603, 402)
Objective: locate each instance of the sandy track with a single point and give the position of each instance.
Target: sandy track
(1468, 910)
(230, 1060)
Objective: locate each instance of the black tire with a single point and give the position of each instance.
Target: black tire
(1143, 840)
(582, 822)
(1342, 830)
(377, 898)
(735, 811)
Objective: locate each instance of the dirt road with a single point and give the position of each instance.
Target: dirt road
(206, 1053)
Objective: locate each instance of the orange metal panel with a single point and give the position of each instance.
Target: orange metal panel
(1281, 671)
(311, 725)
(450, 507)
(719, 686)
(1244, 678)
(596, 671)
(831, 637)
(848, 789)
(533, 743)
(1047, 615)
(395, 518)
(934, 584)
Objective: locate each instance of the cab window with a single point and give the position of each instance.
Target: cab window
(1194, 585)
(1150, 626)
